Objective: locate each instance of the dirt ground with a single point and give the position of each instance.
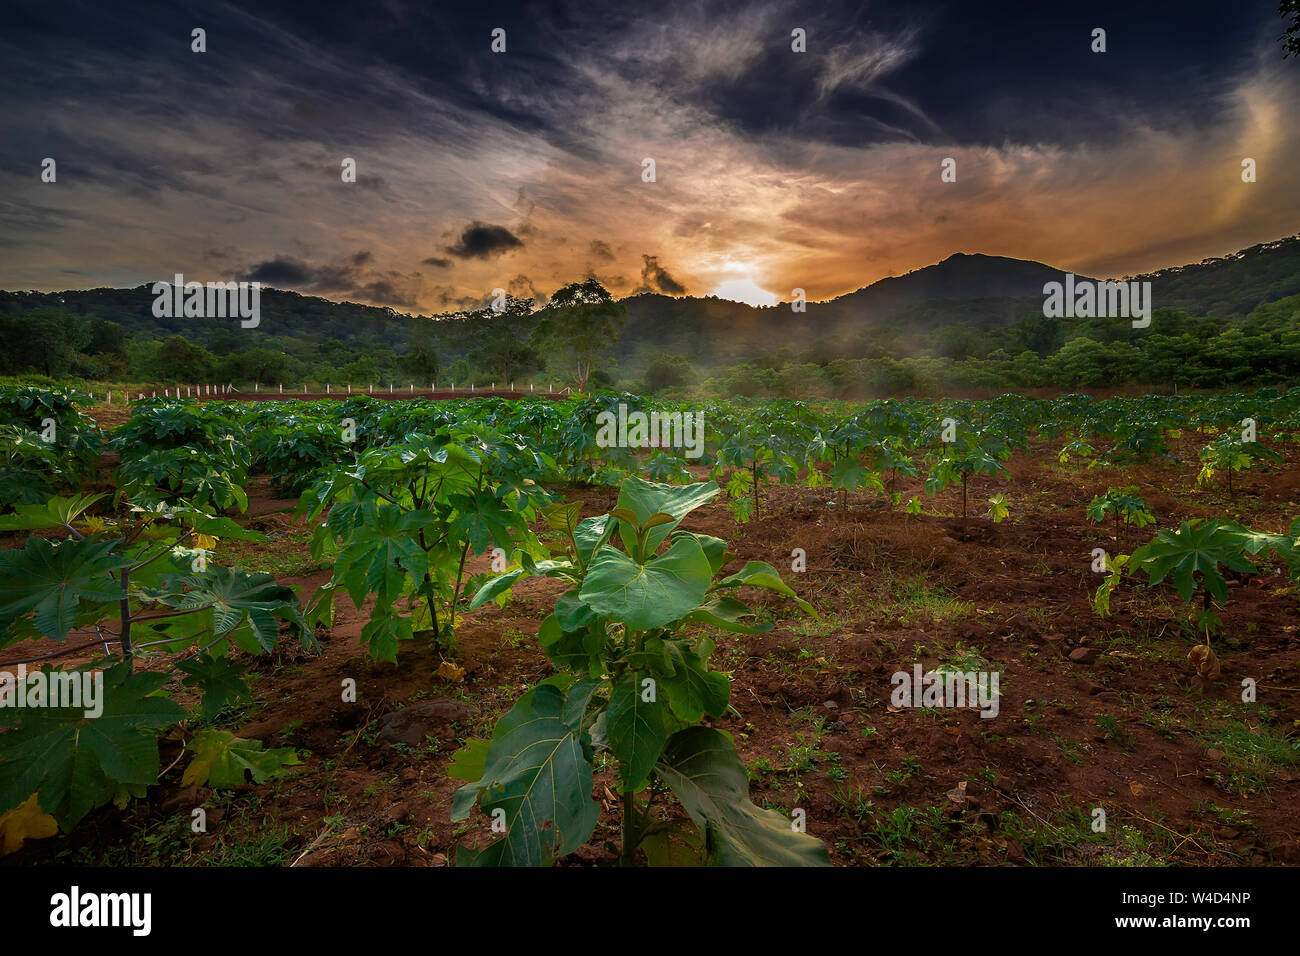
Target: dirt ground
(1184, 771)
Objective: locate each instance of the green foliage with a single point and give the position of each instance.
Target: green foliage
(132, 585)
(631, 684)
(406, 517)
(959, 464)
(222, 760)
(74, 762)
(47, 444)
(1231, 453)
(1123, 505)
(175, 450)
(1191, 558)
(578, 325)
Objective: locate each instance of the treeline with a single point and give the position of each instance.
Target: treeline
(575, 337)
(1175, 351)
(88, 336)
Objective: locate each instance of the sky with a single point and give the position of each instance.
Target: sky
(525, 169)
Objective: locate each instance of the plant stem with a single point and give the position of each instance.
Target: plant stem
(124, 609)
(630, 829)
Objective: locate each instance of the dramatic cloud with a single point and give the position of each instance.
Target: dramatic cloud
(481, 241)
(780, 169)
(350, 279)
(655, 278)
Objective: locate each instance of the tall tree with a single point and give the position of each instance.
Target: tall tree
(502, 339)
(577, 327)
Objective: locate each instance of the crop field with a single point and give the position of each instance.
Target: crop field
(474, 631)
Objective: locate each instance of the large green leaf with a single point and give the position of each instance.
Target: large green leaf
(728, 613)
(635, 728)
(221, 760)
(702, 768)
(52, 579)
(692, 689)
(244, 605)
(381, 553)
(220, 680)
(645, 499)
(1195, 550)
(591, 533)
(498, 585)
(57, 512)
(758, 574)
(539, 773)
(75, 762)
(642, 596)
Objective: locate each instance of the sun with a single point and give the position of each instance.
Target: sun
(744, 290)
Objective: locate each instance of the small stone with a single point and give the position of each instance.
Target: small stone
(1084, 655)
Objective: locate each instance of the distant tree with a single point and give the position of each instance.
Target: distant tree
(502, 339)
(106, 338)
(581, 322)
(667, 370)
(460, 372)
(257, 364)
(420, 360)
(362, 372)
(1039, 334)
(1291, 35)
(178, 360)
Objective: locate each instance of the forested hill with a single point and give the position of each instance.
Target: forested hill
(966, 306)
(977, 289)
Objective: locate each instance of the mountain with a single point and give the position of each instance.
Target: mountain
(976, 291)
(972, 291)
(960, 276)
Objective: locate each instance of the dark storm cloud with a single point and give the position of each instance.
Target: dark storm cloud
(483, 241)
(655, 278)
(281, 272)
(778, 162)
(351, 278)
